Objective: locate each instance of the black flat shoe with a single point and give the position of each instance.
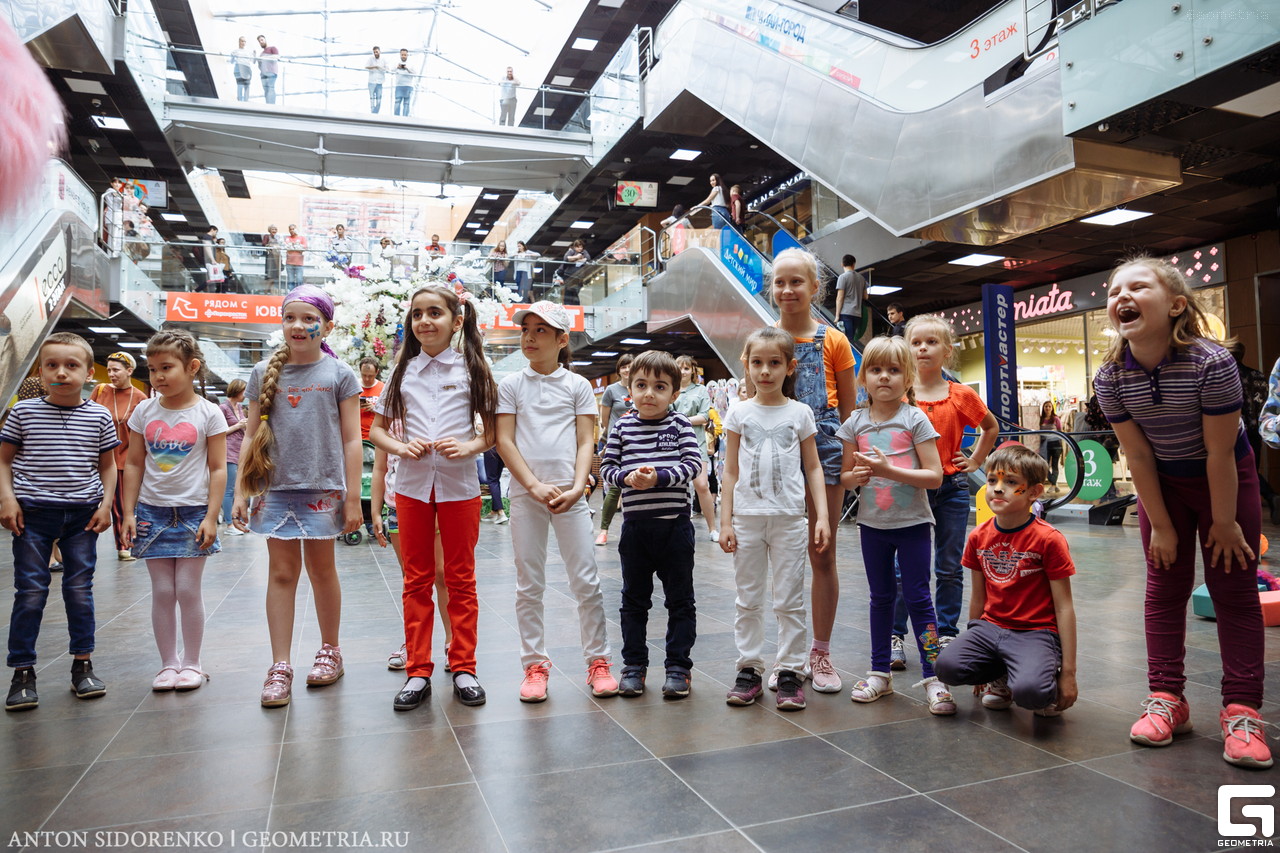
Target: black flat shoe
(84, 683)
(407, 700)
(468, 695)
(22, 691)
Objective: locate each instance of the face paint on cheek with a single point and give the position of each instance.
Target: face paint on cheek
(1019, 490)
(313, 331)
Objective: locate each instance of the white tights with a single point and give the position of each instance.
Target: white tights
(175, 582)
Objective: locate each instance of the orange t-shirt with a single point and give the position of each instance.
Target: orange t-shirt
(961, 407)
(373, 392)
(837, 355)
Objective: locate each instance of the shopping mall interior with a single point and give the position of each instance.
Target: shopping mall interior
(209, 156)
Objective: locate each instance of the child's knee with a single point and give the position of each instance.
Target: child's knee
(1035, 691)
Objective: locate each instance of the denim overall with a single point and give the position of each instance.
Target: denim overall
(811, 389)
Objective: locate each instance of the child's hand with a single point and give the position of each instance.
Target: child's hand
(644, 477)
(379, 532)
(967, 464)
(207, 532)
(1068, 691)
(451, 448)
(856, 477)
(414, 449)
(11, 515)
(728, 542)
(240, 513)
(821, 535)
(1162, 547)
(877, 463)
(352, 518)
(1227, 540)
(565, 501)
(545, 493)
(128, 530)
(101, 519)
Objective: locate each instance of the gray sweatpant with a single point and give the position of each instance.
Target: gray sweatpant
(1029, 659)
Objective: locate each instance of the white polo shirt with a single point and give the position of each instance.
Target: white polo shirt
(437, 404)
(546, 409)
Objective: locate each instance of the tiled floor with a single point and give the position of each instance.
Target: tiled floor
(577, 773)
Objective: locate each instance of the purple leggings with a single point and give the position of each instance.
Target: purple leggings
(1234, 594)
(912, 547)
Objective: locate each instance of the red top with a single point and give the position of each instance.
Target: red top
(372, 393)
(961, 407)
(1017, 566)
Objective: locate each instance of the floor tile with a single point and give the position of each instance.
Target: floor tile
(547, 744)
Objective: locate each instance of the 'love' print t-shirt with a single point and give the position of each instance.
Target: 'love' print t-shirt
(887, 504)
(176, 470)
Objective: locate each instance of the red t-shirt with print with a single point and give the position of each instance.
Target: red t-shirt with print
(1016, 567)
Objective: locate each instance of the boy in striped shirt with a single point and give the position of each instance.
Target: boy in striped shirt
(57, 479)
(653, 454)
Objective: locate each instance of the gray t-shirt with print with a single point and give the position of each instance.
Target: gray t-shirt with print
(887, 504)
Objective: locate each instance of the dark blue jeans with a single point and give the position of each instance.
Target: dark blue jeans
(44, 525)
(661, 546)
(881, 550)
(950, 505)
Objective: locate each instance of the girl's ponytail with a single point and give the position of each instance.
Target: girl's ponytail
(256, 466)
(484, 391)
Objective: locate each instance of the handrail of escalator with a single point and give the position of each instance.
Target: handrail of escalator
(1010, 430)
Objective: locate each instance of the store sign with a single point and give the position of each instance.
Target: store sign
(1097, 470)
(223, 308)
(742, 260)
(783, 241)
(636, 194)
(1002, 363)
(50, 275)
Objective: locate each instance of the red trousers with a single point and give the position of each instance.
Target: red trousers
(459, 524)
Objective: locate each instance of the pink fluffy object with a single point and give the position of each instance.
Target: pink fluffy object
(33, 129)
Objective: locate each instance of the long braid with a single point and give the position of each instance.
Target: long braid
(256, 466)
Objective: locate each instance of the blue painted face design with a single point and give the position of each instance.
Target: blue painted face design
(313, 331)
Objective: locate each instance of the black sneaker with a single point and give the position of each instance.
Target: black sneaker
(676, 686)
(746, 689)
(632, 682)
(84, 683)
(22, 690)
(790, 691)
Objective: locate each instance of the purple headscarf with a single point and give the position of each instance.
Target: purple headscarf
(316, 298)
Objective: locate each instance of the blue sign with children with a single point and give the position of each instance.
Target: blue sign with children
(742, 260)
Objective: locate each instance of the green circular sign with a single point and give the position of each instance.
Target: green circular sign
(1097, 470)
(630, 194)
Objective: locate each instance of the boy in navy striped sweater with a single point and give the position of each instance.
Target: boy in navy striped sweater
(653, 454)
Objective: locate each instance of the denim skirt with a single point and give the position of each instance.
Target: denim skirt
(297, 514)
(170, 531)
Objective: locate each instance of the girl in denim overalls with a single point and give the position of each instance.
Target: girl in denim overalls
(824, 363)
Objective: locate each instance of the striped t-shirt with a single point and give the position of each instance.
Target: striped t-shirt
(58, 450)
(1168, 403)
(670, 446)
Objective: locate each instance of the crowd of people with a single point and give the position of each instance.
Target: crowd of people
(794, 443)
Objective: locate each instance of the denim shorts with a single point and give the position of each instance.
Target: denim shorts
(170, 531)
(297, 514)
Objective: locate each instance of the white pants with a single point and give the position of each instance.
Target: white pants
(780, 541)
(530, 519)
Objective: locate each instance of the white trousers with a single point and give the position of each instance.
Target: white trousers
(780, 541)
(530, 520)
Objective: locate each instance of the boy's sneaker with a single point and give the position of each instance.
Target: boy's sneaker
(941, 703)
(1163, 716)
(676, 686)
(278, 686)
(534, 686)
(1243, 741)
(996, 695)
(875, 685)
(327, 667)
(22, 690)
(746, 688)
(825, 678)
(601, 679)
(897, 654)
(84, 683)
(790, 691)
(632, 683)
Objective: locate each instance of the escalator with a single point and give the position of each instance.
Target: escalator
(933, 141)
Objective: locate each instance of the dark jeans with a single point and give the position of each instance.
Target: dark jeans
(1051, 452)
(489, 466)
(1029, 659)
(661, 546)
(880, 552)
(950, 505)
(42, 527)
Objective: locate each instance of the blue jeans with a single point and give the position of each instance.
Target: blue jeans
(242, 89)
(42, 526)
(719, 216)
(661, 546)
(293, 275)
(403, 94)
(950, 505)
(229, 495)
(269, 87)
(375, 97)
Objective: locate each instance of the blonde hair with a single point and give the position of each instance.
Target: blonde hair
(886, 350)
(810, 263)
(1190, 326)
(937, 321)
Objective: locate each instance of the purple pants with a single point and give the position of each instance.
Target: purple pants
(1234, 594)
(911, 545)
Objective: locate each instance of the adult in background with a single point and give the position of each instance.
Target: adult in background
(274, 250)
(524, 258)
(498, 259)
(222, 255)
(577, 255)
(237, 418)
(370, 391)
(507, 98)
(718, 201)
(343, 245)
(1051, 445)
(695, 404)
(851, 292)
(242, 59)
(119, 397)
(377, 67)
(404, 84)
(489, 468)
(295, 247)
(897, 319)
(269, 68)
(614, 403)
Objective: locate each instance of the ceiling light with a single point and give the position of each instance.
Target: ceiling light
(1059, 350)
(473, 224)
(1044, 349)
(582, 363)
(1026, 349)
(173, 217)
(190, 238)
(680, 180)
(138, 162)
(482, 212)
(110, 122)
(107, 330)
(559, 243)
(132, 344)
(583, 223)
(584, 44)
(1119, 216)
(604, 353)
(482, 231)
(976, 260)
(561, 80)
(685, 154)
(87, 87)
(882, 289)
(544, 111)
(491, 196)
(636, 342)
(1079, 350)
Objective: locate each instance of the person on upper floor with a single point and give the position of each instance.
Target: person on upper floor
(268, 68)
(718, 201)
(377, 66)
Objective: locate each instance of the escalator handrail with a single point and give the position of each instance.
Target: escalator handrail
(1008, 429)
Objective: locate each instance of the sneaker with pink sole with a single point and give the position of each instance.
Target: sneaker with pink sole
(278, 686)
(534, 686)
(601, 679)
(824, 675)
(327, 667)
(1243, 741)
(1163, 716)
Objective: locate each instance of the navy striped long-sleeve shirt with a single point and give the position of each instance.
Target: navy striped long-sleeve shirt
(670, 446)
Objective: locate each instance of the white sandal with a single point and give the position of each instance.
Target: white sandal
(941, 703)
(876, 684)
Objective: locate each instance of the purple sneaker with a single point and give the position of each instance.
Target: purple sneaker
(790, 691)
(746, 689)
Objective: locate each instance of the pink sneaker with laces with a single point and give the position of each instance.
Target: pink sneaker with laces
(327, 668)
(1243, 741)
(279, 683)
(534, 686)
(1163, 716)
(824, 675)
(601, 679)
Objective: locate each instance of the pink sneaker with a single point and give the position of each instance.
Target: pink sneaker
(1163, 716)
(327, 668)
(824, 675)
(1243, 741)
(600, 678)
(279, 683)
(534, 686)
